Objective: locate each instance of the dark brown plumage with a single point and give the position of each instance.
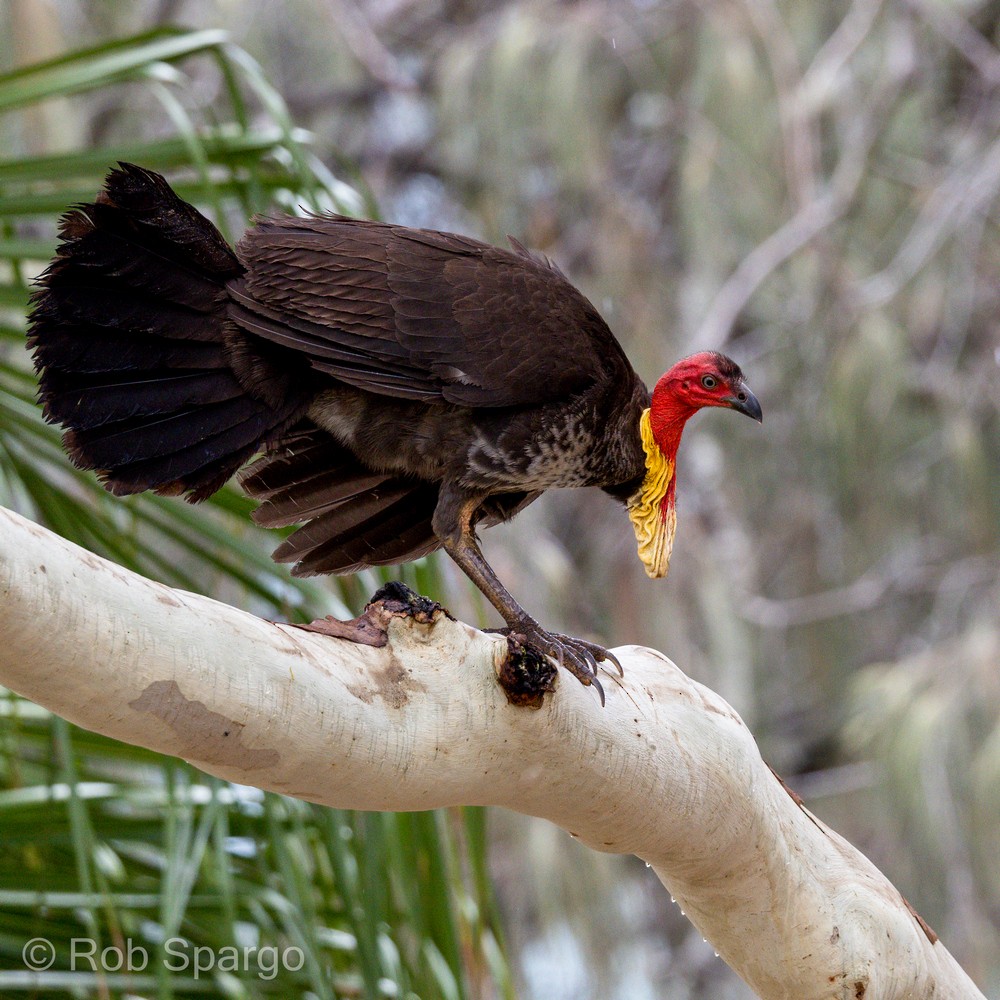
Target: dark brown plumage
(402, 386)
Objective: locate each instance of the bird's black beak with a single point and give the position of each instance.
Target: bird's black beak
(744, 401)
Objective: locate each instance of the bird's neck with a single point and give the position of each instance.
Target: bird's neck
(667, 417)
(651, 508)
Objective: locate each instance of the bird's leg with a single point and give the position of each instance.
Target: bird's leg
(453, 525)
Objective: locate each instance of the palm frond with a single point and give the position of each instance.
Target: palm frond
(114, 844)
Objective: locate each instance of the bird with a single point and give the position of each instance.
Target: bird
(389, 389)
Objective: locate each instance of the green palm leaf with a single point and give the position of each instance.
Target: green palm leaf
(115, 844)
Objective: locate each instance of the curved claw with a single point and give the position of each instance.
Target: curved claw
(600, 690)
(581, 663)
(608, 655)
(594, 654)
(597, 653)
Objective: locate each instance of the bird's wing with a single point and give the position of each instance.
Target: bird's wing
(419, 314)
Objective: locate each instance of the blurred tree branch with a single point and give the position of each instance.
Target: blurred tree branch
(959, 33)
(966, 191)
(904, 572)
(803, 96)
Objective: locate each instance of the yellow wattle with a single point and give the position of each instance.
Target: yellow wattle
(653, 519)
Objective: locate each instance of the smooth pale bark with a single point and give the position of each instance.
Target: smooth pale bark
(667, 771)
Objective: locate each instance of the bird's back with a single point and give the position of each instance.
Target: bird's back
(444, 356)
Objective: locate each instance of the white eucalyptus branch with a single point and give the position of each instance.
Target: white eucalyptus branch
(667, 771)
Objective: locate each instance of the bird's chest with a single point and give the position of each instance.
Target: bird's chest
(538, 451)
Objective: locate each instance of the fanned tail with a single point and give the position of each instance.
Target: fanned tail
(128, 330)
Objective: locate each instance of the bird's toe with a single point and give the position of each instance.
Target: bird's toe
(596, 653)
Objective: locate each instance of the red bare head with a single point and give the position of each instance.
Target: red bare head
(705, 379)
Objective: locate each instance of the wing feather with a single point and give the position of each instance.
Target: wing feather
(418, 314)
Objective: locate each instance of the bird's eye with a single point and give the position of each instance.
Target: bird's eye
(709, 381)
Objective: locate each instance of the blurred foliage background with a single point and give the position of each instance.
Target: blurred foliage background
(810, 187)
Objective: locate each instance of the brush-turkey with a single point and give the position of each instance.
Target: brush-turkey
(401, 387)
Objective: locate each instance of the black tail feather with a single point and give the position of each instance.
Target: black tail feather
(102, 256)
(388, 526)
(158, 436)
(111, 305)
(316, 495)
(194, 469)
(307, 473)
(70, 347)
(90, 401)
(128, 330)
(149, 206)
(355, 517)
(304, 452)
